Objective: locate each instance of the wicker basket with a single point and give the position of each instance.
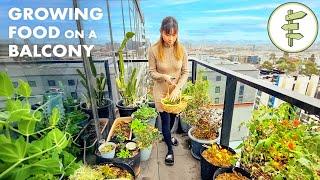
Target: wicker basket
(174, 108)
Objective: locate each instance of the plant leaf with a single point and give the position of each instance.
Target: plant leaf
(13, 152)
(23, 89)
(6, 86)
(58, 138)
(55, 116)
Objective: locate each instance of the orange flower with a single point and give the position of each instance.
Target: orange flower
(285, 122)
(291, 145)
(296, 122)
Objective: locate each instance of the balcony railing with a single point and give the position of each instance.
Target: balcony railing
(308, 104)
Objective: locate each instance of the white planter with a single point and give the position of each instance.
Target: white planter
(146, 153)
(152, 121)
(108, 155)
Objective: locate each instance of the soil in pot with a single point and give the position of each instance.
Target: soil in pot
(125, 111)
(231, 174)
(122, 132)
(215, 157)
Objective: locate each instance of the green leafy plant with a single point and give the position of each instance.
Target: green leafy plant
(27, 153)
(99, 87)
(280, 146)
(127, 87)
(199, 97)
(107, 148)
(145, 134)
(145, 113)
(124, 153)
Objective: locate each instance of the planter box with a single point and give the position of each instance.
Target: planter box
(115, 123)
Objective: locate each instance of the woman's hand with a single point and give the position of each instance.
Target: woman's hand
(175, 94)
(169, 79)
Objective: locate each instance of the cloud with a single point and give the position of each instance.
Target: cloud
(222, 19)
(248, 8)
(177, 2)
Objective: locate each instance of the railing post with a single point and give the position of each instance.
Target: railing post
(230, 93)
(108, 79)
(194, 71)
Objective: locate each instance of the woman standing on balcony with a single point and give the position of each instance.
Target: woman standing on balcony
(168, 67)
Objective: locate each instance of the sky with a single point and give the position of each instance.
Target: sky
(216, 20)
(199, 20)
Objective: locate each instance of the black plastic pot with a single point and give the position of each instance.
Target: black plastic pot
(208, 169)
(125, 111)
(151, 104)
(71, 108)
(230, 170)
(123, 166)
(103, 112)
(133, 162)
(84, 122)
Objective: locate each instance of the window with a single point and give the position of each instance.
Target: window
(216, 100)
(241, 90)
(51, 82)
(204, 78)
(218, 78)
(32, 83)
(15, 84)
(74, 95)
(217, 90)
(240, 99)
(71, 82)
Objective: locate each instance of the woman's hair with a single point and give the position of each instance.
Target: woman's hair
(168, 24)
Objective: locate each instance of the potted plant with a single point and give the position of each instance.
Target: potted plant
(145, 135)
(280, 146)
(70, 104)
(28, 151)
(199, 97)
(146, 114)
(231, 173)
(214, 157)
(130, 156)
(127, 86)
(104, 104)
(107, 150)
(103, 171)
(205, 130)
(120, 130)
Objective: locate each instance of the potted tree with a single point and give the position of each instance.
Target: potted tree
(205, 130)
(145, 135)
(104, 104)
(146, 114)
(127, 86)
(279, 146)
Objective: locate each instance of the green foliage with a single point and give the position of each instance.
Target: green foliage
(145, 113)
(124, 153)
(199, 96)
(280, 146)
(145, 134)
(127, 88)
(267, 65)
(99, 85)
(27, 153)
(309, 68)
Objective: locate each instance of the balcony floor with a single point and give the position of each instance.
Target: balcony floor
(185, 167)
